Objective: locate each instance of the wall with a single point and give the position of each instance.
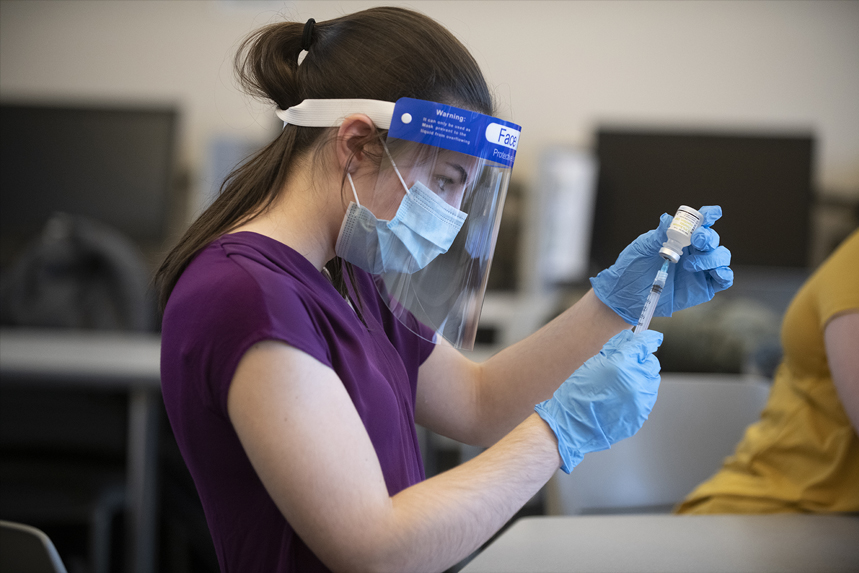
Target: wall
(558, 68)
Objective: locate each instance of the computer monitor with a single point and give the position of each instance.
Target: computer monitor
(763, 182)
(111, 164)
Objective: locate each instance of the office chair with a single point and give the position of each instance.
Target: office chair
(697, 421)
(25, 549)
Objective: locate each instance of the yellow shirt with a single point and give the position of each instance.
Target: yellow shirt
(803, 454)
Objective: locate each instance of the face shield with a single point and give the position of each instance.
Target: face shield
(426, 226)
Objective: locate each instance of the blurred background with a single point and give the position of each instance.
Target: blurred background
(121, 118)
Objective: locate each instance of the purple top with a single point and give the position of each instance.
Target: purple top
(244, 288)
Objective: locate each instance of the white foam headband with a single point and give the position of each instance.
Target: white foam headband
(332, 112)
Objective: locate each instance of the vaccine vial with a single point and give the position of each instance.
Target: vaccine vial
(680, 232)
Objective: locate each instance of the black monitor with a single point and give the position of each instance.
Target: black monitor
(112, 164)
(763, 182)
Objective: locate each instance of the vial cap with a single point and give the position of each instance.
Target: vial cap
(669, 254)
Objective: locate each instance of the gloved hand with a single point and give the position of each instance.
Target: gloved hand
(607, 399)
(702, 271)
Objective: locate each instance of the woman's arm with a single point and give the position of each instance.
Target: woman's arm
(308, 445)
(479, 403)
(842, 341)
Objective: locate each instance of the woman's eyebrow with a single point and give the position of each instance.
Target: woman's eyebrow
(463, 174)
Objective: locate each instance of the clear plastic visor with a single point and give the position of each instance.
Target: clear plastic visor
(446, 293)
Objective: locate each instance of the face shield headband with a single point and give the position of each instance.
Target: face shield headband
(427, 232)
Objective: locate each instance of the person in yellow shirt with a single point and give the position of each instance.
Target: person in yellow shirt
(803, 454)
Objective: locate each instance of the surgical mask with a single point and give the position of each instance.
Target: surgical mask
(423, 228)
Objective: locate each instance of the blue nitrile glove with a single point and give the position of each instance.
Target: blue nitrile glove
(702, 271)
(607, 399)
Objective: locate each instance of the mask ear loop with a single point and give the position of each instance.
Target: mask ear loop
(397, 171)
(354, 193)
(394, 165)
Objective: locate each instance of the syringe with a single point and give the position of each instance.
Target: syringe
(652, 299)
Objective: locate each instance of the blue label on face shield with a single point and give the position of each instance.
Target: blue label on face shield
(455, 129)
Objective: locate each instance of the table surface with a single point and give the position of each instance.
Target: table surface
(92, 357)
(674, 543)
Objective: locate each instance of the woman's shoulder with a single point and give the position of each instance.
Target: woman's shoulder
(244, 276)
(237, 292)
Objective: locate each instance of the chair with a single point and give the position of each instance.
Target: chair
(25, 549)
(697, 421)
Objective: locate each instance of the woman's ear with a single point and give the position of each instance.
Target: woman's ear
(352, 136)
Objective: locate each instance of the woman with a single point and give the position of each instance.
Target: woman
(312, 315)
(802, 456)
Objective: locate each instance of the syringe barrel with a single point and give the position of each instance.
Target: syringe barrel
(648, 310)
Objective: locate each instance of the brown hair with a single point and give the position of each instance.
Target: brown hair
(381, 53)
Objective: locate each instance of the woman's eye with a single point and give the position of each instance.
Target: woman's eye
(448, 188)
(443, 183)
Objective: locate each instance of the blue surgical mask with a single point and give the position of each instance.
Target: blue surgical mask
(423, 228)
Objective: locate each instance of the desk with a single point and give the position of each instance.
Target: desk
(110, 360)
(671, 543)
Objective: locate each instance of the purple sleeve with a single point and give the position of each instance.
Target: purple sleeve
(213, 324)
